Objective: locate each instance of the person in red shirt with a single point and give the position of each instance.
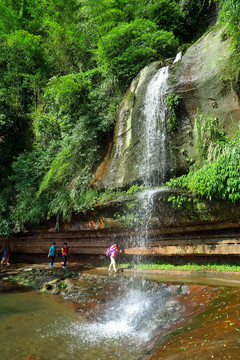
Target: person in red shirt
(65, 254)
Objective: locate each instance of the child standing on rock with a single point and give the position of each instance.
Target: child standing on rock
(65, 254)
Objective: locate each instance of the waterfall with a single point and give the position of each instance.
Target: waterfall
(156, 148)
(178, 57)
(156, 165)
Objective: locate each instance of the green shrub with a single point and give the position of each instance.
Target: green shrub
(172, 102)
(229, 15)
(218, 177)
(128, 47)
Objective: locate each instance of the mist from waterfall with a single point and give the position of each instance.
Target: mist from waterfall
(129, 323)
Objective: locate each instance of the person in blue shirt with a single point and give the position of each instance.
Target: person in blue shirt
(52, 253)
(6, 255)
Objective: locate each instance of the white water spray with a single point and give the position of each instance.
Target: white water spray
(132, 319)
(178, 57)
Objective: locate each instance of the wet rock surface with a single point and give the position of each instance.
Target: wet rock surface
(83, 289)
(212, 334)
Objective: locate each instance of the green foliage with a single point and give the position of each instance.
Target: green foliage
(179, 201)
(8, 18)
(11, 124)
(172, 102)
(5, 221)
(22, 69)
(64, 102)
(189, 267)
(103, 102)
(169, 16)
(168, 266)
(61, 285)
(219, 179)
(229, 16)
(127, 48)
(70, 173)
(229, 13)
(27, 173)
(128, 220)
(136, 188)
(207, 135)
(219, 175)
(109, 195)
(197, 15)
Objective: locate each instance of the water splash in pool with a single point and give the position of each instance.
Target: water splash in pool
(130, 321)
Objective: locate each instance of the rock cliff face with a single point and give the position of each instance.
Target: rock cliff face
(196, 79)
(122, 165)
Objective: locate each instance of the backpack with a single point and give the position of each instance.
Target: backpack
(108, 252)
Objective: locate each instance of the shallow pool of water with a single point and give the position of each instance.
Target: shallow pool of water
(26, 317)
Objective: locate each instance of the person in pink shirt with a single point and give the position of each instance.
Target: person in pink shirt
(112, 252)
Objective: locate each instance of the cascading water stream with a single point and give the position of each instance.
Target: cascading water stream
(138, 312)
(156, 149)
(156, 167)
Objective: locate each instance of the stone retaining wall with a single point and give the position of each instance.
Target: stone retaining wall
(205, 239)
